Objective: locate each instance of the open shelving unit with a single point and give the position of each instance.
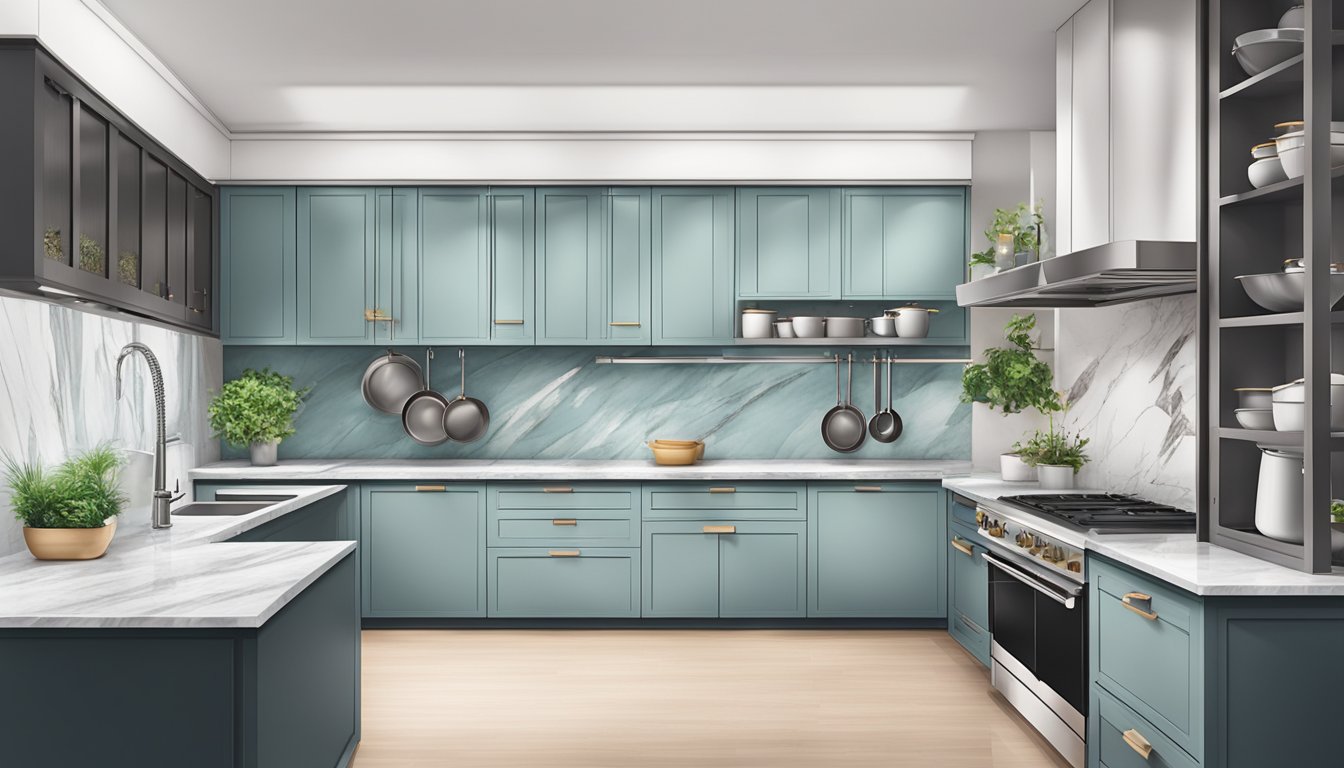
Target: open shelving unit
(1253, 231)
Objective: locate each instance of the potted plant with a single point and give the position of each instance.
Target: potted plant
(68, 513)
(257, 410)
(1012, 380)
(1024, 225)
(1056, 456)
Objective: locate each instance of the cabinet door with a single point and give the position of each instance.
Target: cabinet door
(680, 571)
(336, 265)
(511, 266)
(177, 239)
(258, 269)
(788, 243)
(397, 280)
(968, 578)
(154, 240)
(876, 553)
(762, 570)
(564, 582)
(627, 274)
(200, 255)
(454, 285)
(423, 550)
(692, 266)
(569, 264)
(904, 243)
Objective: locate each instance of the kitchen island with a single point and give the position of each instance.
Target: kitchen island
(221, 641)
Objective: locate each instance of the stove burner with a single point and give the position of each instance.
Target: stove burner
(1106, 511)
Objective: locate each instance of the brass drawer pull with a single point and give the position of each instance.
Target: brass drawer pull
(376, 316)
(1139, 596)
(868, 488)
(563, 553)
(564, 521)
(508, 322)
(558, 489)
(624, 324)
(430, 488)
(962, 547)
(1137, 743)
(719, 529)
(725, 489)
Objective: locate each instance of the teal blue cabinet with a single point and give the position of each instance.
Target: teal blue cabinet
(594, 279)
(967, 591)
(258, 266)
(568, 516)
(1110, 721)
(744, 569)
(336, 264)
(397, 266)
(692, 266)
(423, 550)
(453, 285)
(876, 550)
(788, 243)
(512, 264)
(904, 243)
(564, 582)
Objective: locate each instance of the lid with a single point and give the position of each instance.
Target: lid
(912, 309)
(1252, 389)
(1251, 410)
(1264, 144)
(759, 312)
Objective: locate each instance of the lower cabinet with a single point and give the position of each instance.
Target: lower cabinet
(743, 569)
(564, 583)
(1122, 739)
(423, 551)
(967, 583)
(876, 551)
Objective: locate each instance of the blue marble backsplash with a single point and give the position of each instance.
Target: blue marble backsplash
(557, 403)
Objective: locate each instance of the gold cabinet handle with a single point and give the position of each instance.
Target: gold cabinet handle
(719, 529)
(962, 547)
(868, 488)
(558, 489)
(564, 521)
(563, 553)
(424, 488)
(1139, 596)
(624, 324)
(724, 489)
(508, 322)
(376, 316)
(1137, 743)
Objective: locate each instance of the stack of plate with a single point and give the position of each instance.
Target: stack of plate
(1291, 146)
(1265, 168)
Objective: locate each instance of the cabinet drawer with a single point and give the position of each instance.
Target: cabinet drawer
(973, 638)
(725, 501)
(1113, 720)
(1147, 650)
(564, 496)
(562, 582)
(963, 513)
(543, 528)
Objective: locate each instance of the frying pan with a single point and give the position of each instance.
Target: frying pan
(466, 418)
(422, 417)
(843, 428)
(886, 425)
(391, 380)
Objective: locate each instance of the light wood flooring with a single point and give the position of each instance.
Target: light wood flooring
(635, 698)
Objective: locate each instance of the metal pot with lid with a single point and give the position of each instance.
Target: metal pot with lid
(912, 322)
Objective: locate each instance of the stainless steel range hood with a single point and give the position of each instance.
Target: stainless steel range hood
(1114, 273)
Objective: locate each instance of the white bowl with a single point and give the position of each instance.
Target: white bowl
(1294, 18)
(1294, 393)
(1263, 49)
(1289, 417)
(1255, 418)
(1283, 291)
(809, 327)
(1264, 150)
(1294, 160)
(784, 329)
(1266, 171)
(845, 327)
(1254, 398)
(758, 324)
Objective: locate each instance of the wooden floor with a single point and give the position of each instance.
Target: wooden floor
(633, 698)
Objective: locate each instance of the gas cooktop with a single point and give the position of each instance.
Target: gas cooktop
(1106, 512)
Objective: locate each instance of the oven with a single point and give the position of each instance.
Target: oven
(1038, 621)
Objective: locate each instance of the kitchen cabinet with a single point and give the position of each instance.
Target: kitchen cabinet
(904, 243)
(693, 266)
(594, 279)
(396, 265)
(512, 218)
(589, 515)
(336, 257)
(564, 582)
(453, 286)
(423, 550)
(967, 589)
(788, 243)
(94, 208)
(876, 550)
(742, 569)
(259, 271)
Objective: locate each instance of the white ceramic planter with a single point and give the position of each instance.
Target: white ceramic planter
(265, 454)
(1014, 469)
(1054, 477)
(981, 271)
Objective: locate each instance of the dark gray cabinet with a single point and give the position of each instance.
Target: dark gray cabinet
(91, 207)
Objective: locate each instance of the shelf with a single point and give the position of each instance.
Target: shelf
(838, 341)
(1284, 191)
(1273, 437)
(1279, 319)
(1275, 81)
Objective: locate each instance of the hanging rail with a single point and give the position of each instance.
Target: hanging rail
(774, 360)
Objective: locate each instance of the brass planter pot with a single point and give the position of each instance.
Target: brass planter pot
(69, 543)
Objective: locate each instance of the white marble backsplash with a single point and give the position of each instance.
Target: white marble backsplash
(58, 385)
(1131, 376)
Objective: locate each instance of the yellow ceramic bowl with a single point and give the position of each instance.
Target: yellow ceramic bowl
(675, 456)
(699, 445)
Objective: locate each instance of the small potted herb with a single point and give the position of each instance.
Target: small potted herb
(1056, 456)
(1024, 224)
(68, 513)
(257, 410)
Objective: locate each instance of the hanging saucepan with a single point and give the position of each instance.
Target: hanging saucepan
(422, 417)
(886, 425)
(466, 418)
(844, 427)
(391, 380)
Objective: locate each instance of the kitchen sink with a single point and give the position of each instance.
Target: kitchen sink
(220, 508)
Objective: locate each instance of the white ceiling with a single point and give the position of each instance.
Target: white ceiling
(617, 65)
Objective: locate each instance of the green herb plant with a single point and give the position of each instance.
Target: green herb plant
(128, 267)
(1056, 449)
(1337, 511)
(90, 255)
(80, 493)
(257, 407)
(52, 246)
(1012, 379)
(1020, 222)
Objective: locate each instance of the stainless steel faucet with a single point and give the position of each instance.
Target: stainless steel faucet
(163, 499)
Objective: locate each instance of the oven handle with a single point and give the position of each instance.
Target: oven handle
(1031, 581)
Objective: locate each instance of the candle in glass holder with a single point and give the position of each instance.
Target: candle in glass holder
(1003, 251)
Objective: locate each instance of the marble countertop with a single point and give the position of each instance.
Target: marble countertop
(579, 470)
(179, 577)
(1176, 558)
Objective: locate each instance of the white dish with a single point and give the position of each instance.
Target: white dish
(809, 327)
(1255, 418)
(758, 324)
(1294, 393)
(883, 326)
(1294, 18)
(1264, 49)
(1264, 150)
(1278, 494)
(1289, 417)
(784, 329)
(1283, 291)
(1260, 398)
(1294, 160)
(1266, 171)
(845, 327)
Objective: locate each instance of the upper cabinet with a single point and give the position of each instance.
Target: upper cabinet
(258, 273)
(693, 266)
(454, 280)
(512, 213)
(396, 279)
(336, 265)
(904, 243)
(788, 243)
(594, 278)
(95, 209)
